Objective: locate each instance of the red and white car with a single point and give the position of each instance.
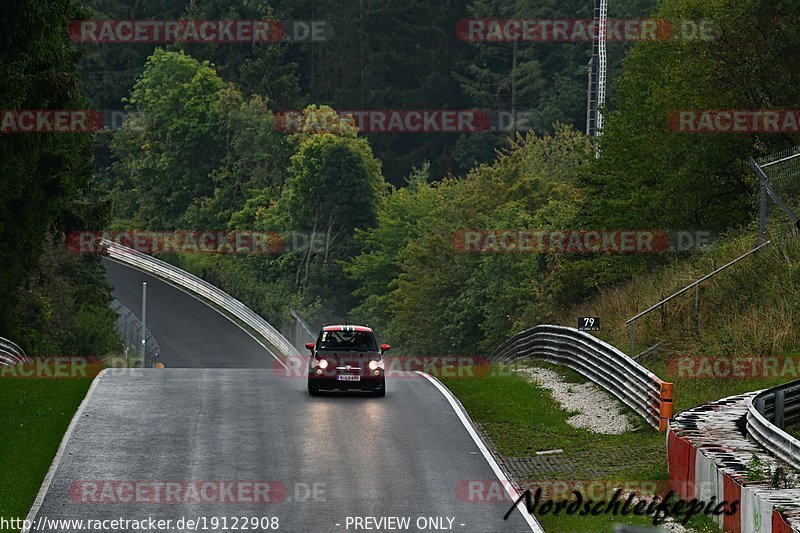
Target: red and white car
(346, 357)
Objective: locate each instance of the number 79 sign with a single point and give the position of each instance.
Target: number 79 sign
(589, 323)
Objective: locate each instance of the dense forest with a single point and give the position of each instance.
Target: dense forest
(201, 149)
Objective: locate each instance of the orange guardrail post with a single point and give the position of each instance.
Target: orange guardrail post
(665, 406)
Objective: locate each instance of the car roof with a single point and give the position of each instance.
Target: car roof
(346, 327)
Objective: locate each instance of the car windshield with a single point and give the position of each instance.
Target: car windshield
(359, 341)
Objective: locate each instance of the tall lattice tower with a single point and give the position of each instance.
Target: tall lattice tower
(597, 71)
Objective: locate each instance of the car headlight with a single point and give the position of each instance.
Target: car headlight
(373, 365)
(322, 363)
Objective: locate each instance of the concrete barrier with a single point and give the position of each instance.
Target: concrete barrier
(708, 456)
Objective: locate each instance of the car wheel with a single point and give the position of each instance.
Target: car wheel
(313, 391)
(380, 392)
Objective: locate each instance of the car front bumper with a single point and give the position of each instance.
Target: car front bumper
(331, 382)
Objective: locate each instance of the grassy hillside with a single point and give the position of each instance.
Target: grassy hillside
(749, 310)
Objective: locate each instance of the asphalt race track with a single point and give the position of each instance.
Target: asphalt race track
(225, 418)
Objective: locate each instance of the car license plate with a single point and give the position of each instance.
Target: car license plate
(348, 377)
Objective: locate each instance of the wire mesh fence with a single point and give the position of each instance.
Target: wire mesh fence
(130, 329)
(779, 175)
(300, 332)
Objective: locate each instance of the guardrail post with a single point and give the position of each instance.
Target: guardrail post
(665, 408)
(780, 396)
(697, 308)
(633, 339)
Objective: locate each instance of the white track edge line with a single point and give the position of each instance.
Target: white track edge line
(48, 478)
(468, 424)
(206, 302)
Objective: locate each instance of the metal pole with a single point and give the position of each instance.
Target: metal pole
(633, 339)
(590, 97)
(144, 321)
(780, 398)
(762, 208)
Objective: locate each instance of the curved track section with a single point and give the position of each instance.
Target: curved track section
(326, 463)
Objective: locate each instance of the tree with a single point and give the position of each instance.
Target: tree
(167, 152)
(399, 221)
(437, 300)
(652, 176)
(334, 188)
(41, 173)
(52, 302)
(255, 157)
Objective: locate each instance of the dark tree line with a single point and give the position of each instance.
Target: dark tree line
(50, 302)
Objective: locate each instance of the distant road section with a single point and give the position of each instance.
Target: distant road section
(235, 438)
(189, 333)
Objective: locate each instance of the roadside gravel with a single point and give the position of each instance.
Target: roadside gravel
(596, 410)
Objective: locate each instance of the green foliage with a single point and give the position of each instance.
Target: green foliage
(167, 153)
(41, 174)
(652, 176)
(334, 188)
(757, 469)
(405, 211)
(439, 300)
(254, 158)
(64, 308)
(52, 303)
(206, 154)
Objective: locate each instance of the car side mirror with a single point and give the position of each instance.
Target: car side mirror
(310, 346)
(385, 347)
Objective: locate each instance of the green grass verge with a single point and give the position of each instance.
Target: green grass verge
(35, 415)
(521, 418)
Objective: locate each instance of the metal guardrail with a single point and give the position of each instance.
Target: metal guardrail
(768, 412)
(694, 285)
(630, 382)
(162, 269)
(11, 354)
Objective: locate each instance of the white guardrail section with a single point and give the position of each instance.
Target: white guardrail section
(630, 382)
(11, 354)
(164, 270)
(768, 412)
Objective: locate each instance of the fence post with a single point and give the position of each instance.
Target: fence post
(762, 208)
(779, 401)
